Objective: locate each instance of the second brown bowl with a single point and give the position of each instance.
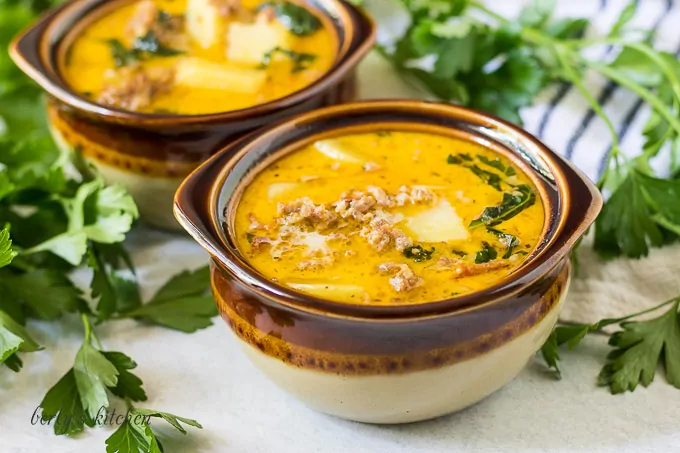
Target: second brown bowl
(151, 154)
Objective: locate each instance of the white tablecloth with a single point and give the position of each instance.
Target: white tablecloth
(205, 375)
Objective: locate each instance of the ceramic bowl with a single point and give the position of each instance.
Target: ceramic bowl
(151, 153)
(389, 364)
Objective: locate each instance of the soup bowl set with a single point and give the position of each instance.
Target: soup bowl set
(370, 363)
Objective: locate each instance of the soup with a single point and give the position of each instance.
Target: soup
(391, 217)
(198, 56)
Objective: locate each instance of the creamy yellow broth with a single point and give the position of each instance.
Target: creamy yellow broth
(199, 84)
(434, 165)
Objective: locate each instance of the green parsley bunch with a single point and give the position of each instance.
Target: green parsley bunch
(56, 215)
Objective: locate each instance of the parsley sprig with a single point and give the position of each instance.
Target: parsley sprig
(181, 304)
(638, 348)
(6, 252)
(58, 215)
(83, 395)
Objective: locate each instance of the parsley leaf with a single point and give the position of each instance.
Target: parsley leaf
(463, 60)
(115, 292)
(128, 385)
(186, 283)
(71, 246)
(14, 363)
(636, 214)
(624, 373)
(115, 255)
(537, 12)
(96, 212)
(64, 404)
(93, 373)
(640, 346)
(6, 253)
(174, 420)
(186, 314)
(111, 211)
(136, 435)
(130, 438)
(31, 163)
(417, 253)
(14, 338)
(46, 293)
(9, 343)
(551, 355)
(180, 304)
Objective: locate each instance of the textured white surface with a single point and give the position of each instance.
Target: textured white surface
(207, 377)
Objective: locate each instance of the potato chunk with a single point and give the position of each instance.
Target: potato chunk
(277, 190)
(329, 290)
(336, 150)
(206, 23)
(248, 43)
(437, 224)
(198, 73)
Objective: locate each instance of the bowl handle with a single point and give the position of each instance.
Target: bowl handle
(584, 204)
(192, 203)
(26, 50)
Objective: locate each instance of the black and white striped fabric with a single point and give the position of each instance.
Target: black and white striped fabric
(563, 119)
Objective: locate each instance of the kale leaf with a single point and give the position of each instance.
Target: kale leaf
(514, 202)
(418, 254)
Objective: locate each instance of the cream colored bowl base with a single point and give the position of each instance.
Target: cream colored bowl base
(409, 397)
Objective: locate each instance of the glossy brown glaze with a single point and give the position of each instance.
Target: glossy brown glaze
(309, 332)
(356, 347)
(171, 152)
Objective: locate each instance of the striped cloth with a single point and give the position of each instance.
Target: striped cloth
(562, 117)
(563, 120)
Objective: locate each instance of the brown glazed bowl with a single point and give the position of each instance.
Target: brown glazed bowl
(389, 364)
(152, 153)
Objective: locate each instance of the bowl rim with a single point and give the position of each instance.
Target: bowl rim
(573, 217)
(33, 50)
